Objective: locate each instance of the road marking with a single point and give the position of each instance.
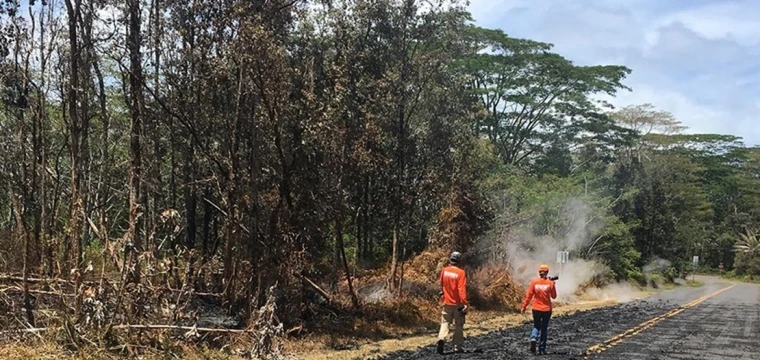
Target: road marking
(617, 339)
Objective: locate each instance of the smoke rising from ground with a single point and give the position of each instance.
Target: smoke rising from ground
(526, 252)
(656, 265)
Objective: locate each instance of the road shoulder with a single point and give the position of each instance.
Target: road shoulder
(487, 325)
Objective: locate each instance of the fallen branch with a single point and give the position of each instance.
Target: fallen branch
(94, 228)
(191, 292)
(316, 287)
(31, 280)
(494, 284)
(27, 330)
(18, 289)
(91, 283)
(224, 213)
(6, 277)
(177, 327)
(141, 327)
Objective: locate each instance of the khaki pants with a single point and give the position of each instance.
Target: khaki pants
(448, 315)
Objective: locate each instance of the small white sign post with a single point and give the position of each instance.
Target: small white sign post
(562, 257)
(695, 264)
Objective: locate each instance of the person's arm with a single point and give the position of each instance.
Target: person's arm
(463, 288)
(441, 283)
(554, 290)
(528, 296)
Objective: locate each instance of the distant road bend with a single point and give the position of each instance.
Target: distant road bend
(720, 320)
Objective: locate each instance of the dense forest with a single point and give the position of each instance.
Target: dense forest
(231, 147)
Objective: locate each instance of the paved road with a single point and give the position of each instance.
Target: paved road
(720, 320)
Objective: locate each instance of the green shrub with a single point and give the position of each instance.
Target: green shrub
(655, 280)
(670, 275)
(637, 277)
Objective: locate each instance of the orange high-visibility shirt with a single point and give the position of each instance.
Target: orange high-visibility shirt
(454, 286)
(541, 291)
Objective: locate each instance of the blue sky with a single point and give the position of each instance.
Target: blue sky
(698, 59)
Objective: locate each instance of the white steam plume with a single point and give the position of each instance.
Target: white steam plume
(526, 252)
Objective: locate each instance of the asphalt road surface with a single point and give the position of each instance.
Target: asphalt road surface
(720, 320)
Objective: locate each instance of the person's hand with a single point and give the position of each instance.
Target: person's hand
(522, 310)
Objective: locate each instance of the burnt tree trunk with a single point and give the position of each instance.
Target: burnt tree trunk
(73, 241)
(103, 189)
(342, 251)
(206, 225)
(231, 196)
(190, 198)
(152, 124)
(87, 53)
(135, 106)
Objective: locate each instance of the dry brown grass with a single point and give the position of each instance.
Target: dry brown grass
(494, 288)
(317, 347)
(401, 320)
(41, 350)
(411, 321)
(384, 328)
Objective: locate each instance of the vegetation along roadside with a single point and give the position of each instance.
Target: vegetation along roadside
(220, 179)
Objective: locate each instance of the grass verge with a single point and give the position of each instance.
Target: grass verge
(694, 283)
(744, 279)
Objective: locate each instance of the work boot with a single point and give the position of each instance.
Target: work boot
(439, 347)
(533, 346)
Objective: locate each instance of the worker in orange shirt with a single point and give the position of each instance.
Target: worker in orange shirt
(455, 305)
(541, 291)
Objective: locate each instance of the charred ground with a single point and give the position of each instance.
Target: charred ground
(723, 326)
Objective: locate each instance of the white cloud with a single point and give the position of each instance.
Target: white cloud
(736, 20)
(695, 59)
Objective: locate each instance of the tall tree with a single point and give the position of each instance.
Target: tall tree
(77, 137)
(136, 206)
(530, 94)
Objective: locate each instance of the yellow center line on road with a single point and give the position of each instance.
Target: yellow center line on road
(617, 339)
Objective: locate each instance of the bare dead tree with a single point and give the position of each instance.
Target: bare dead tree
(136, 209)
